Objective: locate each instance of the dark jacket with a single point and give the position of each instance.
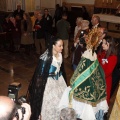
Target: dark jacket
(77, 53)
(20, 13)
(39, 31)
(63, 29)
(64, 9)
(116, 74)
(37, 86)
(7, 26)
(47, 22)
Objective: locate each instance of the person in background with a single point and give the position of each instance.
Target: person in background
(7, 27)
(19, 12)
(26, 33)
(95, 21)
(16, 32)
(18, 25)
(3, 43)
(64, 9)
(84, 29)
(106, 58)
(33, 19)
(48, 22)
(96, 24)
(47, 84)
(63, 29)
(58, 14)
(78, 26)
(6, 24)
(100, 45)
(39, 33)
(85, 14)
(79, 44)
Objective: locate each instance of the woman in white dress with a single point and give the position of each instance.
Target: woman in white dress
(87, 91)
(47, 85)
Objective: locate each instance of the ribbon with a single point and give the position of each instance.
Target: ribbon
(82, 77)
(104, 61)
(52, 72)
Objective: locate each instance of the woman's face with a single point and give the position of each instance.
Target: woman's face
(58, 47)
(105, 45)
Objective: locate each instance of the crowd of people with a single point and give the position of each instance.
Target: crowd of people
(24, 31)
(93, 53)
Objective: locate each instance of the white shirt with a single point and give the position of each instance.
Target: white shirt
(95, 26)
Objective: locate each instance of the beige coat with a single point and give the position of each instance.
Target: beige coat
(26, 37)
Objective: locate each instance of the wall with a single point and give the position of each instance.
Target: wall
(2, 5)
(89, 4)
(11, 5)
(48, 3)
(107, 3)
(29, 5)
(81, 1)
(37, 4)
(59, 2)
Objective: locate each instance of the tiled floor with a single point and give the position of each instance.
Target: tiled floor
(15, 67)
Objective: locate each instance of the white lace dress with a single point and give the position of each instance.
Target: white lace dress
(53, 93)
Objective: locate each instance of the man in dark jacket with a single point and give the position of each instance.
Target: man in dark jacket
(19, 12)
(64, 9)
(47, 22)
(39, 37)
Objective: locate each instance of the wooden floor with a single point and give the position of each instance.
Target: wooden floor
(19, 68)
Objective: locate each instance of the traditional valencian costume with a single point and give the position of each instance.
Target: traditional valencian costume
(46, 88)
(87, 91)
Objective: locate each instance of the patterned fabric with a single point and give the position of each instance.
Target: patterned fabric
(83, 110)
(53, 93)
(88, 82)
